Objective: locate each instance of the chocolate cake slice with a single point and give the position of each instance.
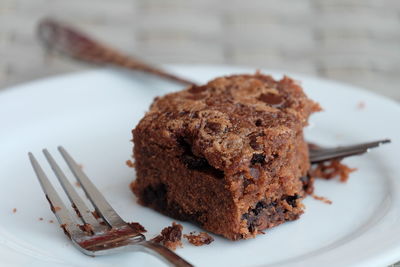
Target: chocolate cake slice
(229, 155)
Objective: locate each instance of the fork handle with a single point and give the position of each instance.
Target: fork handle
(163, 253)
(69, 41)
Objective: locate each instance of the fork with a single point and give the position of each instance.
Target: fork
(92, 236)
(66, 40)
(318, 154)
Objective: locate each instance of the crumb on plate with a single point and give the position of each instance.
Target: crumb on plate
(323, 199)
(331, 169)
(130, 163)
(170, 236)
(361, 105)
(200, 239)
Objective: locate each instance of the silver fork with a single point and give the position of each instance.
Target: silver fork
(93, 237)
(319, 154)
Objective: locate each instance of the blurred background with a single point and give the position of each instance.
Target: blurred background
(355, 41)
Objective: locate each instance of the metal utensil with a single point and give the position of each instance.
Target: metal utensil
(91, 236)
(69, 41)
(318, 154)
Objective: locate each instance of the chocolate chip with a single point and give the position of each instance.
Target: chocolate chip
(258, 123)
(259, 207)
(247, 182)
(193, 162)
(257, 158)
(252, 216)
(213, 126)
(291, 200)
(183, 113)
(252, 227)
(274, 100)
(155, 195)
(197, 89)
(254, 143)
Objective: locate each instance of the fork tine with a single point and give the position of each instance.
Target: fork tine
(80, 207)
(319, 155)
(99, 202)
(57, 206)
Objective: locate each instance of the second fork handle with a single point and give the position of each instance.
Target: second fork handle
(163, 253)
(69, 41)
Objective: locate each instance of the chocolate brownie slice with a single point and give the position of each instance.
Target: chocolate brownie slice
(229, 155)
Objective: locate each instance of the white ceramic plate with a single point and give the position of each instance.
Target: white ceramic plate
(92, 114)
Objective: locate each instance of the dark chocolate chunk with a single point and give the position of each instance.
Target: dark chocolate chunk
(194, 162)
(257, 158)
(197, 89)
(275, 100)
(291, 200)
(155, 195)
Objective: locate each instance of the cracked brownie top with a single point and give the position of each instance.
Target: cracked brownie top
(231, 121)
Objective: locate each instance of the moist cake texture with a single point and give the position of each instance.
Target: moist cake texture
(229, 155)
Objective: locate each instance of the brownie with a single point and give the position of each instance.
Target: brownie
(228, 155)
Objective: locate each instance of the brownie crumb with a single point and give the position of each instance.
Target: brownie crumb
(14, 210)
(130, 163)
(51, 221)
(88, 228)
(78, 184)
(40, 219)
(57, 209)
(257, 158)
(96, 215)
(331, 169)
(323, 199)
(200, 239)
(137, 227)
(170, 236)
(361, 105)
